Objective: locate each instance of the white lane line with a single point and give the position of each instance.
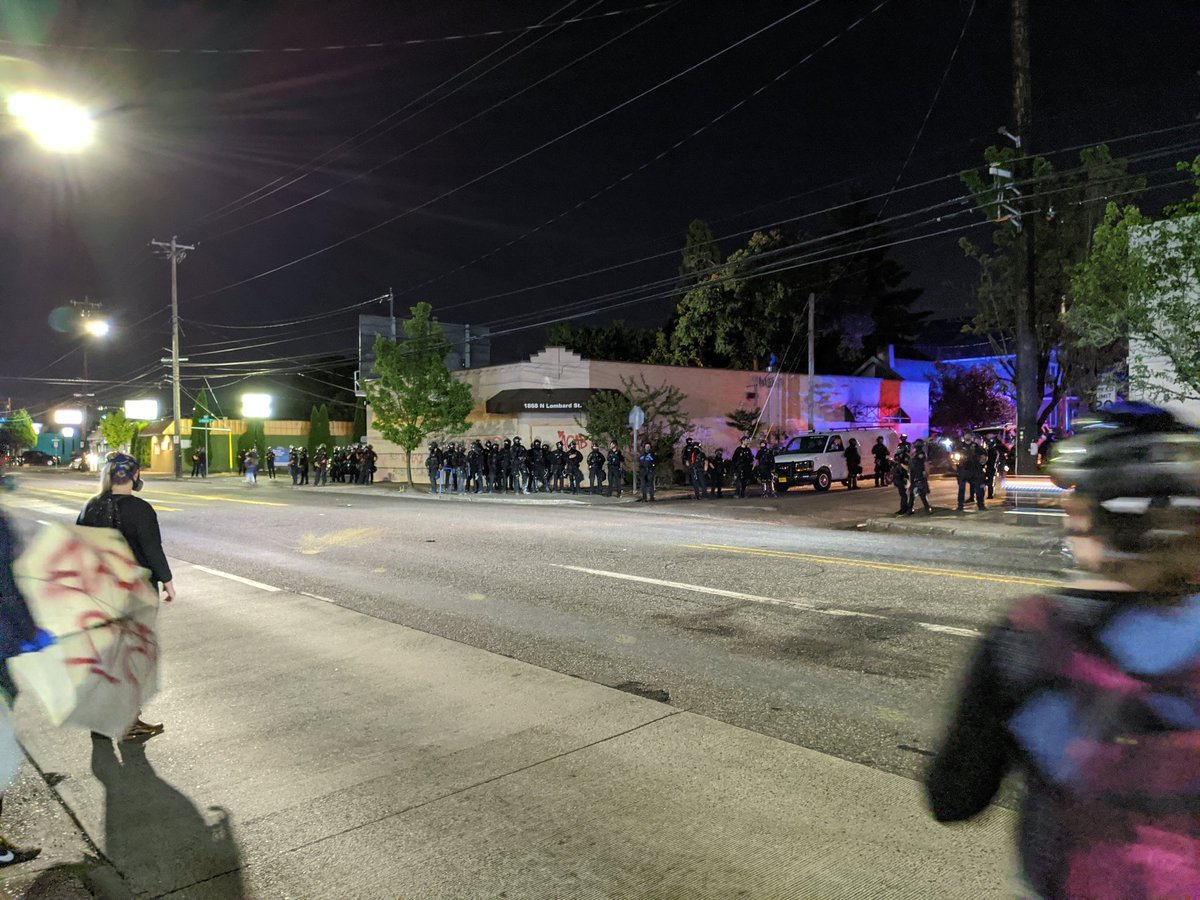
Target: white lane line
(316, 597)
(238, 578)
(950, 629)
(41, 521)
(803, 605)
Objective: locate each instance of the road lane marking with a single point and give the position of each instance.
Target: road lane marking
(317, 597)
(878, 566)
(222, 499)
(45, 490)
(238, 578)
(312, 544)
(802, 605)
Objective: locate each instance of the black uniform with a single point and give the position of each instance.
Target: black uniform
(595, 462)
(716, 473)
(742, 466)
(918, 480)
(646, 474)
(519, 455)
(853, 464)
(433, 463)
(881, 454)
(574, 468)
(696, 471)
(616, 470)
(900, 464)
(764, 463)
(558, 466)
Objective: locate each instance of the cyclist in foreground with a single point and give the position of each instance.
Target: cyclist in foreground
(1094, 692)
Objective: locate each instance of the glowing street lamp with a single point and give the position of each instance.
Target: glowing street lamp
(256, 406)
(96, 327)
(56, 124)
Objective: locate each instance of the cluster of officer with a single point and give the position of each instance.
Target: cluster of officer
(348, 465)
(707, 474)
(495, 467)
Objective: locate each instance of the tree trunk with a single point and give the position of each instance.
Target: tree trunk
(408, 466)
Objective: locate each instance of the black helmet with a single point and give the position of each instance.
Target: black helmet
(745, 438)
(1140, 467)
(558, 443)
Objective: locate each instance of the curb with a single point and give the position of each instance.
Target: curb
(1004, 534)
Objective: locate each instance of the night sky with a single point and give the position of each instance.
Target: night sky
(470, 169)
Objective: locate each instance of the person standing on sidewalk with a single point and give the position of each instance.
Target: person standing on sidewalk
(252, 467)
(595, 464)
(303, 465)
(765, 465)
(918, 479)
(116, 507)
(646, 473)
(900, 463)
(321, 466)
(742, 462)
(881, 454)
(616, 469)
(716, 474)
(697, 470)
(1092, 691)
(433, 465)
(17, 631)
(294, 465)
(853, 464)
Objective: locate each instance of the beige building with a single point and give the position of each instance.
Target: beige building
(543, 397)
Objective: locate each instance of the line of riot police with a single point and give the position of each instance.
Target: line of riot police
(508, 466)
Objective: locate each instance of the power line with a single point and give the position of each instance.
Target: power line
(324, 48)
(331, 154)
(520, 157)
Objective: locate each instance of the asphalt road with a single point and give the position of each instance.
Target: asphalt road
(775, 616)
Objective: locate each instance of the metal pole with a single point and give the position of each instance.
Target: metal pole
(812, 362)
(175, 252)
(392, 312)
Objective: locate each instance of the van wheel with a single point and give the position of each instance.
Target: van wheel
(823, 480)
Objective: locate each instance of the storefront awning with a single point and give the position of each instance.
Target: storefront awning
(531, 400)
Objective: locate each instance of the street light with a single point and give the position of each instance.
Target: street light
(56, 124)
(96, 327)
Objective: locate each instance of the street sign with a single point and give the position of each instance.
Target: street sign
(204, 420)
(637, 417)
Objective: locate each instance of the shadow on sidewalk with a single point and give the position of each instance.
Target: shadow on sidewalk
(153, 834)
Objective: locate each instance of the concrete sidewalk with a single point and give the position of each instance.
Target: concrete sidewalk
(312, 751)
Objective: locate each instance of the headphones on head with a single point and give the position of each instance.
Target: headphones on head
(123, 468)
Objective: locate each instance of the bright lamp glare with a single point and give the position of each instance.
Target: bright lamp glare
(67, 432)
(141, 410)
(68, 417)
(96, 327)
(58, 125)
(256, 406)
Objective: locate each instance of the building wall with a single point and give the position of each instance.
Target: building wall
(711, 395)
(223, 438)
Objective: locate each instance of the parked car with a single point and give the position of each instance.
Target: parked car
(818, 458)
(36, 458)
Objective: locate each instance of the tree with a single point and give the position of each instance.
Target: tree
(616, 341)
(965, 399)
(16, 433)
(1139, 283)
(415, 395)
(254, 437)
(701, 254)
(318, 428)
(119, 431)
(606, 418)
(745, 421)
(1069, 203)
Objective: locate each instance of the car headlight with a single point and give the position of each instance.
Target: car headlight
(804, 464)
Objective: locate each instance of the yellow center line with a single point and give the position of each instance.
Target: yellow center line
(878, 566)
(222, 499)
(46, 490)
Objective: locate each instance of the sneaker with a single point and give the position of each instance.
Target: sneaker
(10, 855)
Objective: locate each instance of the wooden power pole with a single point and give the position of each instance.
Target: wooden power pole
(1029, 399)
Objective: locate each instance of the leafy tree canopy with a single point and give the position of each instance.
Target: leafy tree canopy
(615, 341)
(16, 432)
(965, 399)
(606, 417)
(119, 431)
(1070, 208)
(415, 395)
(1139, 283)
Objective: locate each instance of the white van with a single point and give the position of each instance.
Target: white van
(819, 458)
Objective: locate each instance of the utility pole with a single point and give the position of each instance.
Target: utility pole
(1029, 403)
(85, 307)
(392, 312)
(175, 252)
(812, 362)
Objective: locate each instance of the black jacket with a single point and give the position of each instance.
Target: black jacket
(139, 527)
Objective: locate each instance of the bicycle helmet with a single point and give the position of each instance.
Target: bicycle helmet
(1139, 467)
(121, 468)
